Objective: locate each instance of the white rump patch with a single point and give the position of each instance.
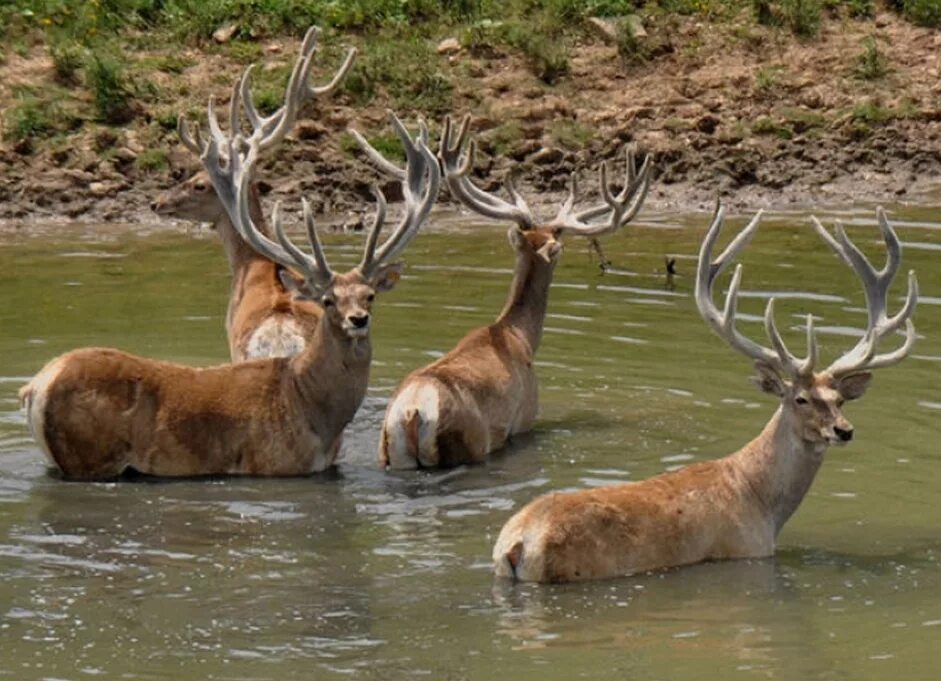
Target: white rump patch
(276, 337)
(36, 405)
(420, 397)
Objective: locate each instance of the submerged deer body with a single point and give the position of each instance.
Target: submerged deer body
(732, 507)
(97, 412)
(265, 317)
(470, 401)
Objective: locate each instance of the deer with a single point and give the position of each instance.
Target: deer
(98, 412)
(470, 401)
(733, 507)
(265, 317)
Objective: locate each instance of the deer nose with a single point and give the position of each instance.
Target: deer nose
(359, 321)
(845, 434)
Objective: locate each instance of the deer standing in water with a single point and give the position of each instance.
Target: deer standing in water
(264, 318)
(97, 412)
(470, 401)
(732, 507)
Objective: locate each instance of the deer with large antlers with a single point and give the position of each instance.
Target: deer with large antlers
(732, 507)
(264, 318)
(97, 412)
(470, 401)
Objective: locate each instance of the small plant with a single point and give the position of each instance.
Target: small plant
(505, 138)
(766, 80)
(27, 121)
(543, 47)
(861, 9)
(871, 64)
(767, 126)
(152, 161)
(67, 60)
(570, 134)
(112, 96)
(924, 12)
(630, 48)
(802, 16)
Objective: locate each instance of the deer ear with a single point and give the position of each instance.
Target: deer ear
(768, 380)
(387, 277)
(854, 386)
(295, 285)
(517, 240)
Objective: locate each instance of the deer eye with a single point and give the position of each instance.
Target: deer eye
(200, 187)
(801, 399)
(371, 297)
(328, 302)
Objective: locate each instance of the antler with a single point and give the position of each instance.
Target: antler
(457, 166)
(271, 129)
(723, 322)
(620, 209)
(419, 194)
(876, 285)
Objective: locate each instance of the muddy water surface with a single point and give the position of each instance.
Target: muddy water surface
(360, 574)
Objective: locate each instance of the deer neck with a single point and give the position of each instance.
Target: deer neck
(779, 467)
(330, 377)
(238, 252)
(525, 307)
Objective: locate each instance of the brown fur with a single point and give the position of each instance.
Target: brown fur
(257, 293)
(728, 508)
(486, 387)
(104, 411)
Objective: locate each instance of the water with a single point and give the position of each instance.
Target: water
(365, 575)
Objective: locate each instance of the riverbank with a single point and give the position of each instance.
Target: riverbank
(726, 105)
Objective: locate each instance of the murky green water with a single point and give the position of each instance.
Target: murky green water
(366, 575)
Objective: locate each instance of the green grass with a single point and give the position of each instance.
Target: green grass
(871, 64)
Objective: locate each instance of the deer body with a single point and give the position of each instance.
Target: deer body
(732, 507)
(97, 412)
(466, 404)
(469, 402)
(715, 510)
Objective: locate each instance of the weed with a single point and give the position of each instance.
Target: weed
(871, 64)
(152, 161)
(767, 126)
(505, 138)
(767, 78)
(802, 16)
(923, 12)
(570, 134)
(173, 63)
(27, 121)
(543, 46)
(112, 95)
(631, 49)
(802, 120)
(67, 60)
(407, 69)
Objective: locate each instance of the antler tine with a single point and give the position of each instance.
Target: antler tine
(457, 166)
(620, 208)
(875, 288)
(723, 323)
(369, 250)
(420, 189)
(192, 142)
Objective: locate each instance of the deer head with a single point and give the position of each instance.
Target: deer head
(230, 160)
(812, 400)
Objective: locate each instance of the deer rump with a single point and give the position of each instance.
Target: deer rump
(464, 405)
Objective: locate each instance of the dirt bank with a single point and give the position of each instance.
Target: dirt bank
(743, 111)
